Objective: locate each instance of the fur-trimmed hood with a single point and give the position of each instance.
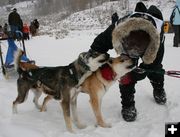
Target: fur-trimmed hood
(123, 30)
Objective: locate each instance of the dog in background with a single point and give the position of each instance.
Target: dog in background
(58, 82)
(97, 85)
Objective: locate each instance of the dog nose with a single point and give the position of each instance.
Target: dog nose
(107, 56)
(135, 61)
(124, 57)
(127, 57)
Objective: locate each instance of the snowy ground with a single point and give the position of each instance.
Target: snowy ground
(48, 51)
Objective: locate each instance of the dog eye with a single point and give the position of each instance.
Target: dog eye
(85, 56)
(110, 61)
(95, 53)
(121, 60)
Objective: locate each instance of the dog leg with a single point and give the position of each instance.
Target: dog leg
(23, 89)
(37, 94)
(75, 113)
(44, 105)
(66, 112)
(95, 101)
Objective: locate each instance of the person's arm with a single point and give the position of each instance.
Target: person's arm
(103, 42)
(124, 17)
(172, 17)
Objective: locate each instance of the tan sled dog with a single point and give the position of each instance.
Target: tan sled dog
(96, 86)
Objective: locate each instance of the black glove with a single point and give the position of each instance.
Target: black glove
(138, 73)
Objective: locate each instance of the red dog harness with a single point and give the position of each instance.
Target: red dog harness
(107, 72)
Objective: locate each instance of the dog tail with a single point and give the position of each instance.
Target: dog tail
(17, 59)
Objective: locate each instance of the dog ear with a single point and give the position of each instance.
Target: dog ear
(110, 60)
(84, 57)
(81, 55)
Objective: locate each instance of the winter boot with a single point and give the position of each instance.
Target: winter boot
(159, 93)
(129, 112)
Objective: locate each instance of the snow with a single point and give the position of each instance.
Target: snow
(49, 51)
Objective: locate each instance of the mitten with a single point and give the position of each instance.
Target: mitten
(126, 79)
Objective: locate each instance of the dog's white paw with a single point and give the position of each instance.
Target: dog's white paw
(81, 126)
(14, 110)
(43, 109)
(107, 125)
(71, 131)
(104, 125)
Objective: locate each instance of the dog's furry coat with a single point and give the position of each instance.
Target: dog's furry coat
(96, 86)
(61, 80)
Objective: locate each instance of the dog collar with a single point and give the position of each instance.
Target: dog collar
(72, 72)
(83, 64)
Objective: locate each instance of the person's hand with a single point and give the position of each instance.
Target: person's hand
(139, 70)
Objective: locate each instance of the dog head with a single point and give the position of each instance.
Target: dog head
(93, 60)
(121, 65)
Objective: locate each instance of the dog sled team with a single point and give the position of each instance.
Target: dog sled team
(15, 32)
(137, 35)
(16, 29)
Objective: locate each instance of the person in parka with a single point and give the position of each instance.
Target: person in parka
(175, 21)
(137, 35)
(15, 21)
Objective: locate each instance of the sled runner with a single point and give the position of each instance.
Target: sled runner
(7, 60)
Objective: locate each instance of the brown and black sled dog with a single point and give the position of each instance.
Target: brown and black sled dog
(58, 82)
(97, 85)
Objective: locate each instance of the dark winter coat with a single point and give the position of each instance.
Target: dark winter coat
(15, 19)
(103, 42)
(114, 37)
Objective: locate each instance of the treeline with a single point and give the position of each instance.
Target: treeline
(45, 7)
(5, 2)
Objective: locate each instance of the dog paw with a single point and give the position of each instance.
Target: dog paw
(14, 109)
(43, 109)
(81, 126)
(71, 131)
(104, 125)
(107, 125)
